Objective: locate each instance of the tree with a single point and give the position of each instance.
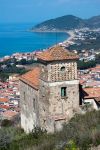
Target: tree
(23, 62)
(6, 123)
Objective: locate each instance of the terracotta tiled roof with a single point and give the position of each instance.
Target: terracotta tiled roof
(92, 92)
(4, 100)
(97, 99)
(56, 53)
(82, 81)
(9, 114)
(4, 106)
(95, 69)
(32, 77)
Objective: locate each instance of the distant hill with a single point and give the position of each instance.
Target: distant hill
(94, 22)
(67, 22)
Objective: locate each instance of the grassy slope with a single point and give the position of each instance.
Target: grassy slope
(81, 132)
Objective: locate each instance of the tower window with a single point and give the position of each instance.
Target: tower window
(62, 68)
(63, 92)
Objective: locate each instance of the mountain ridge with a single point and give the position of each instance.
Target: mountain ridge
(68, 22)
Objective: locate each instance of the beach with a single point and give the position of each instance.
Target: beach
(71, 35)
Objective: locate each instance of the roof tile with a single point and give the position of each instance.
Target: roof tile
(32, 77)
(92, 92)
(56, 53)
(4, 100)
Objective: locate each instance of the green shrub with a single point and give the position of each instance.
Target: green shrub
(80, 133)
(37, 132)
(71, 146)
(6, 123)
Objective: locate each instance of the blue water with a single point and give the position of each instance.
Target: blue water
(16, 38)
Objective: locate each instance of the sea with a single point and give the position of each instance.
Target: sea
(17, 37)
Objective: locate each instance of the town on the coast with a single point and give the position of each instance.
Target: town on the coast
(81, 43)
(50, 75)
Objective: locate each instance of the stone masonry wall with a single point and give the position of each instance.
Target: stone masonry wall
(29, 107)
(56, 110)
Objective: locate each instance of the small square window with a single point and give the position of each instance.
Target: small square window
(63, 92)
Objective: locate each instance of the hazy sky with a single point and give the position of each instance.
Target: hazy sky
(40, 10)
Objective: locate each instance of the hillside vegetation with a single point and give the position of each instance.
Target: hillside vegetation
(81, 133)
(67, 22)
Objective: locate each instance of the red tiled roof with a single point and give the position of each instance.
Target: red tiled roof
(97, 69)
(32, 77)
(82, 81)
(97, 99)
(56, 53)
(9, 114)
(92, 92)
(4, 106)
(4, 100)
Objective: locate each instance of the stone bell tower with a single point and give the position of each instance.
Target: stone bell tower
(59, 87)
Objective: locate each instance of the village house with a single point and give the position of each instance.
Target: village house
(49, 94)
(90, 77)
(9, 97)
(3, 101)
(10, 115)
(92, 97)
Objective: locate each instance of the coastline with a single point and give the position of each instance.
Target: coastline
(69, 33)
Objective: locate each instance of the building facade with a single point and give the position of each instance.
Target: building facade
(50, 92)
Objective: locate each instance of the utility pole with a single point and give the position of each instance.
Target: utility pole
(56, 39)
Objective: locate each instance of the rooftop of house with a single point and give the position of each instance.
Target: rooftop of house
(82, 81)
(32, 78)
(4, 100)
(95, 69)
(4, 107)
(9, 114)
(56, 53)
(91, 92)
(97, 100)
